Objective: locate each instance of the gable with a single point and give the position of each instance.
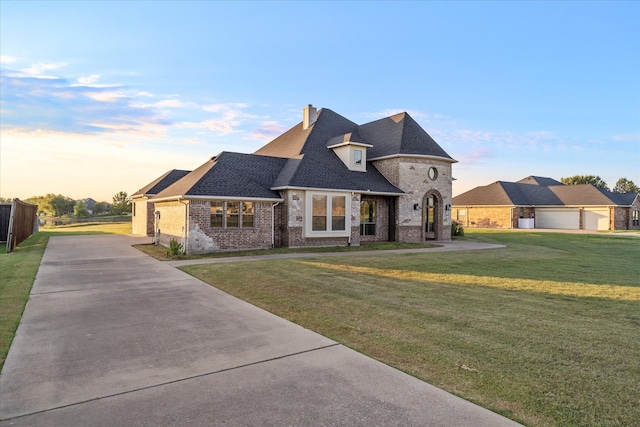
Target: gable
(230, 175)
(162, 182)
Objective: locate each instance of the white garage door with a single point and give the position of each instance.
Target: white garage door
(565, 218)
(596, 219)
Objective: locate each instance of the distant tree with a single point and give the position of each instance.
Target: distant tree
(60, 205)
(5, 200)
(40, 202)
(100, 207)
(596, 181)
(625, 186)
(121, 204)
(80, 210)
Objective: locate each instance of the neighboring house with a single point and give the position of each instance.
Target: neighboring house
(89, 203)
(325, 182)
(143, 212)
(537, 202)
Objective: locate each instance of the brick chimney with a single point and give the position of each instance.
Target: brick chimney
(309, 116)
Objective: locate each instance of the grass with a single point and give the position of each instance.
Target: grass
(18, 271)
(546, 331)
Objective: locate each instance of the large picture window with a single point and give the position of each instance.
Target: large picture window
(232, 214)
(327, 215)
(368, 218)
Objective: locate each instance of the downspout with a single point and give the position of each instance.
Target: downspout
(185, 234)
(351, 203)
(156, 219)
(273, 225)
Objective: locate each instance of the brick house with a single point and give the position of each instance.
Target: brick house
(325, 182)
(538, 202)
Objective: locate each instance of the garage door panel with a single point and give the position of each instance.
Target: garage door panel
(596, 219)
(558, 218)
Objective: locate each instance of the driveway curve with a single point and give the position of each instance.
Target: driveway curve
(112, 337)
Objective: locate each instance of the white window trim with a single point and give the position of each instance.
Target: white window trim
(308, 214)
(346, 153)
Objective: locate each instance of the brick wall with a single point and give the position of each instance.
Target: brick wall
(142, 221)
(636, 207)
(621, 218)
(171, 222)
(204, 238)
(411, 176)
(488, 217)
(201, 237)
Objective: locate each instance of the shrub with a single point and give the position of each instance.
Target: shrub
(175, 249)
(456, 229)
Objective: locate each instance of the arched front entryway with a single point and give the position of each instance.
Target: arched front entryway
(432, 217)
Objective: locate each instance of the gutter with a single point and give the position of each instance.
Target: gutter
(336, 190)
(415, 156)
(183, 197)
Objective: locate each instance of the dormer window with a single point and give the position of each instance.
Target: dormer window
(351, 151)
(357, 157)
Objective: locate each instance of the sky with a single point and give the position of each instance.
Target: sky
(105, 96)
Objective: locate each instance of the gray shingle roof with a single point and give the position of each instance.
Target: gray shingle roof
(540, 191)
(230, 175)
(161, 182)
(539, 180)
(317, 166)
(300, 158)
(399, 134)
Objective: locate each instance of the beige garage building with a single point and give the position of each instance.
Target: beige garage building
(539, 202)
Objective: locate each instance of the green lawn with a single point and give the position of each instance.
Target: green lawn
(546, 331)
(18, 271)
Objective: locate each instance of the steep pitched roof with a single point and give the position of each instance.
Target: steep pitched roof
(400, 134)
(540, 191)
(313, 165)
(301, 158)
(160, 183)
(230, 175)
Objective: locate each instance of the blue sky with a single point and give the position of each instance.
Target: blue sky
(99, 97)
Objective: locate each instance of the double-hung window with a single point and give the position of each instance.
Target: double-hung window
(232, 214)
(217, 214)
(247, 214)
(327, 215)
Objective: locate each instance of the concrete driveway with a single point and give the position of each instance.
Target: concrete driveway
(112, 337)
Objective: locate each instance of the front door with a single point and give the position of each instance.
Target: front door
(430, 217)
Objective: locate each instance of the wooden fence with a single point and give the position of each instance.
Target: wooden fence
(5, 215)
(22, 223)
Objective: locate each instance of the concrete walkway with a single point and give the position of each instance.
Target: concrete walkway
(112, 337)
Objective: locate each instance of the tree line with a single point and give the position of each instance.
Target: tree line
(59, 205)
(623, 185)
